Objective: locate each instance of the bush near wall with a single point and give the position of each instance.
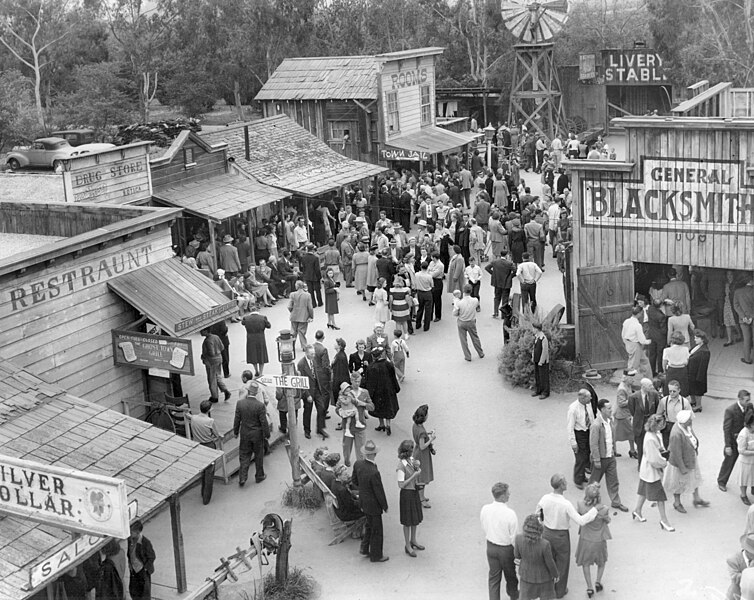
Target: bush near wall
(514, 361)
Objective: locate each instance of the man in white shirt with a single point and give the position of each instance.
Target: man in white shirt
(602, 450)
(465, 309)
(204, 431)
(557, 151)
(500, 525)
(528, 273)
(579, 420)
(634, 340)
(301, 233)
(553, 218)
(557, 513)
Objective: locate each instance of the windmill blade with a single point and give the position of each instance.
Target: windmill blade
(534, 22)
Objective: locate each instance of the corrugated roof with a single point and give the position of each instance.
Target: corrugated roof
(285, 155)
(432, 139)
(221, 197)
(43, 423)
(323, 78)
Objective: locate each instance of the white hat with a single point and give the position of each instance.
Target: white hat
(421, 223)
(683, 416)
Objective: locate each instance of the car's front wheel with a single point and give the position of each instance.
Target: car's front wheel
(13, 164)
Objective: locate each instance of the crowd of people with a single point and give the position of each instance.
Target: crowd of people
(435, 235)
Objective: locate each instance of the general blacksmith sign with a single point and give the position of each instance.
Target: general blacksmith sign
(674, 194)
(65, 498)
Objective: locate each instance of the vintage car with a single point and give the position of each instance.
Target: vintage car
(91, 148)
(44, 152)
(75, 137)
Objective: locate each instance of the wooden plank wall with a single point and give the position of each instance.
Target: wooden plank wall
(675, 242)
(66, 339)
(307, 113)
(208, 164)
(409, 97)
(66, 220)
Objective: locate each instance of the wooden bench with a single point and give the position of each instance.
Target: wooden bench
(341, 529)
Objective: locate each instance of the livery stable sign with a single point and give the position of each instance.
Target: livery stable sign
(674, 194)
(65, 498)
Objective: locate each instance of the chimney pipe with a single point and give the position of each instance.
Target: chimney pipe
(246, 141)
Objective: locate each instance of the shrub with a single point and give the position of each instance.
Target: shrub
(514, 362)
(299, 586)
(302, 497)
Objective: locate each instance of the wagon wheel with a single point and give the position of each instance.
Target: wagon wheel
(576, 124)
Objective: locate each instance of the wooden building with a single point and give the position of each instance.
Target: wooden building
(379, 108)
(70, 274)
(44, 423)
(614, 83)
(682, 198)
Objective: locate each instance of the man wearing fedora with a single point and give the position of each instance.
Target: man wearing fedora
(228, 258)
(366, 478)
(311, 273)
(740, 561)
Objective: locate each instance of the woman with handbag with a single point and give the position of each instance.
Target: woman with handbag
(682, 474)
(653, 462)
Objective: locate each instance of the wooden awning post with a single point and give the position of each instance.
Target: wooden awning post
(179, 554)
(252, 244)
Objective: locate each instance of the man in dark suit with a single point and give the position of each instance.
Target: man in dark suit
(502, 271)
(141, 559)
(733, 423)
(641, 405)
(252, 426)
(657, 332)
(313, 397)
(311, 273)
(322, 367)
(366, 478)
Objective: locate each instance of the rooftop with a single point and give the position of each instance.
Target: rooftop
(283, 154)
(43, 423)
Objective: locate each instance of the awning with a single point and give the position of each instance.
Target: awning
(176, 297)
(222, 197)
(431, 140)
(43, 423)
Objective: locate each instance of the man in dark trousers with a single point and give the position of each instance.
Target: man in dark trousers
(140, 563)
(220, 329)
(366, 478)
(501, 271)
(541, 357)
(322, 366)
(251, 425)
(733, 423)
(311, 273)
(212, 350)
(641, 405)
(313, 397)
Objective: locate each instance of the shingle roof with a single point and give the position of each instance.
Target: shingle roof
(221, 197)
(285, 155)
(43, 423)
(323, 78)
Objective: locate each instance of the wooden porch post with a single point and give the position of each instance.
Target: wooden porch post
(250, 227)
(178, 551)
(212, 248)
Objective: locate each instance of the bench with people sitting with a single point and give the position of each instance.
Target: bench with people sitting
(332, 479)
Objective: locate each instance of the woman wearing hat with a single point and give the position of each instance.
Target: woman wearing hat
(332, 295)
(697, 369)
(359, 267)
(653, 463)
(409, 470)
(383, 387)
(683, 475)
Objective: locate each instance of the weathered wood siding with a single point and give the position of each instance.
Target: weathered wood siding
(688, 199)
(307, 113)
(65, 220)
(208, 164)
(406, 77)
(55, 320)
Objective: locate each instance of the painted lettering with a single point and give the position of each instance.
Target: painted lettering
(17, 299)
(409, 78)
(599, 204)
(37, 292)
(633, 206)
(86, 274)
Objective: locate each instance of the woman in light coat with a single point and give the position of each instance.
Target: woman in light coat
(653, 463)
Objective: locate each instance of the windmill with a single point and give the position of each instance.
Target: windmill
(535, 94)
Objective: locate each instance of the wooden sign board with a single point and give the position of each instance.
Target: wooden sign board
(117, 176)
(67, 556)
(401, 154)
(296, 382)
(64, 498)
(207, 318)
(147, 351)
(633, 67)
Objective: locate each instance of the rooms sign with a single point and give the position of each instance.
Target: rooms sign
(674, 194)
